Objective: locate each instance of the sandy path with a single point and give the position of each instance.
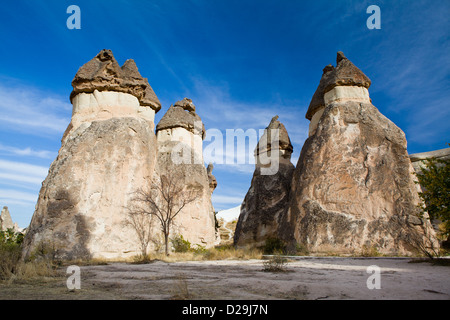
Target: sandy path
(306, 278)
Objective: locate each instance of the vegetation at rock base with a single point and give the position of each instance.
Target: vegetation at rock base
(434, 179)
(13, 267)
(182, 245)
(274, 245)
(275, 263)
(147, 203)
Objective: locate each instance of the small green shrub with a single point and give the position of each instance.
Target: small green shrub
(224, 247)
(199, 249)
(301, 250)
(10, 256)
(276, 263)
(11, 237)
(274, 245)
(434, 178)
(180, 244)
(369, 251)
(10, 253)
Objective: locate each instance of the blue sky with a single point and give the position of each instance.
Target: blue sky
(241, 62)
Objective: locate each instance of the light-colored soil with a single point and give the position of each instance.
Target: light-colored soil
(307, 278)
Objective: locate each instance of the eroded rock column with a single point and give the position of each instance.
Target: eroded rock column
(180, 135)
(268, 196)
(353, 186)
(108, 151)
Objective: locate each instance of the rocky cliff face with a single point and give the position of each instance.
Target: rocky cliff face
(268, 196)
(353, 185)
(108, 151)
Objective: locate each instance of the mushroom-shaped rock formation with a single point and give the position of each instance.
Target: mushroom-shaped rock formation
(353, 186)
(268, 196)
(179, 136)
(108, 152)
(104, 90)
(275, 133)
(103, 73)
(182, 115)
(343, 82)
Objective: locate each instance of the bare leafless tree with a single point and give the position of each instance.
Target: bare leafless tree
(164, 200)
(142, 223)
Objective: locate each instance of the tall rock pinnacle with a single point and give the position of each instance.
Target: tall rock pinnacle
(5, 220)
(108, 151)
(353, 185)
(179, 135)
(268, 195)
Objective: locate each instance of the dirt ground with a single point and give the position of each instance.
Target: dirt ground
(304, 278)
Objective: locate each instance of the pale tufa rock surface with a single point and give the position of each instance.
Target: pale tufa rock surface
(180, 134)
(6, 221)
(108, 152)
(353, 186)
(418, 158)
(82, 205)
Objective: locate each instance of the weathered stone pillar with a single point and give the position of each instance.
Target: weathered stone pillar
(108, 151)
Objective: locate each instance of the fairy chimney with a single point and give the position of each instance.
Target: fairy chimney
(179, 135)
(268, 195)
(353, 186)
(108, 151)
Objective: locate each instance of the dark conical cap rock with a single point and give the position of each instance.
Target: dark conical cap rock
(344, 74)
(130, 70)
(103, 73)
(347, 74)
(186, 104)
(284, 143)
(182, 115)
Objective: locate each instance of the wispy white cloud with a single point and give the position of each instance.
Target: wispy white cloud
(220, 111)
(28, 151)
(20, 178)
(17, 197)
(22, 172)
(32, 111)
(19, 188)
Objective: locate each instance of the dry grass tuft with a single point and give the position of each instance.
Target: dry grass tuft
(14, 268)
(180, 289)
(275, 263)
(217, 253)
